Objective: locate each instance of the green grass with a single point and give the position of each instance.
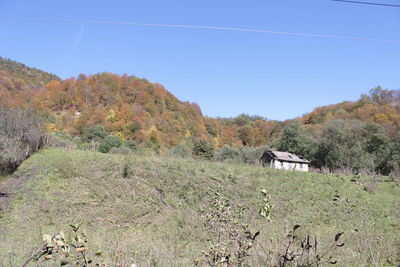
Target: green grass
(153, 217)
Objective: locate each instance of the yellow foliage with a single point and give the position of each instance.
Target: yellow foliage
(381, 117)
(53, 84)
(111, 116)
(216, 141)
(188, 133)
(120, 135)
(52, 128)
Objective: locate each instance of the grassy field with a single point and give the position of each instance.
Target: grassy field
(150, 210)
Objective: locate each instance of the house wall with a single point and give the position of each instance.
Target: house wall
(292, 166)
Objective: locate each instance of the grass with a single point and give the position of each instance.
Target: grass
(149, 210)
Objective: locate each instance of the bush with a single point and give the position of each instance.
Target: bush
(252, 155)
(202, 149)
(182, 150)
(227, 153)
(132, 145)
(109, 142)
(21, 134)
(95, 133)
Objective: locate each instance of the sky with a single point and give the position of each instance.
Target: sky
(226, 72)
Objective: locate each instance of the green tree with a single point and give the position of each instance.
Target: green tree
(377, 144)
(294, 139)
(341, 146)
(227, 153)
(109, 142)
(95, 133)
(391, 163)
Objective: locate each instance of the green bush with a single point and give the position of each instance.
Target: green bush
(182, 150)
(227, 153)
(110, 142)
(132, 145)
(252, 155)
(203, 149)
(95, 133)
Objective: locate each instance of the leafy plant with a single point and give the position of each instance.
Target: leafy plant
(230, 238)
(203, 149)
(267, 206)
(65, 251)
(305, 252)
(110, 142)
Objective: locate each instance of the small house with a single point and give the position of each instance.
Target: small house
(284, 160)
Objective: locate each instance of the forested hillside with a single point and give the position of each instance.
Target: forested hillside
(107, 110)
(19, 73)
(380, 106)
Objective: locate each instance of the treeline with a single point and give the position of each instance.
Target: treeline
(344, 145)
(133, 109)
(380, 105)
(126, 111)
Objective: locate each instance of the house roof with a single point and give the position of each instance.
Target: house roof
(286, 156)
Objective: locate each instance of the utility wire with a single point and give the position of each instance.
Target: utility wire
(366, 3)
(201, 27)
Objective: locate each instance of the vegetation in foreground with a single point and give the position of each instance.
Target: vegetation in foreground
(152, 211)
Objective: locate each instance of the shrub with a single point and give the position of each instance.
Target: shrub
(202, 149)
(252, 155)
(132, 145)
(95, 133)
(227, 153)
(182, 150)
(21, 134)
(230, 238)
(109, 142)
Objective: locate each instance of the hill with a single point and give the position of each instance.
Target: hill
(381, 106)
(152, 210)
(148, 114)
(31, 77)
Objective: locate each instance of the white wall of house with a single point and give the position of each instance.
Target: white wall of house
(292, 166)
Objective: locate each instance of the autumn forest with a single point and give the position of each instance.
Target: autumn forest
(146, 114)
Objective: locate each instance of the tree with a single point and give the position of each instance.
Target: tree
(377, 144)
(110, 142)
(391, 163)
(294, 139)
(246, 135)
(341, 146)
(95, 133)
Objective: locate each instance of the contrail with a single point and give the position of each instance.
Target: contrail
(78, 39)
(204, 28)
(367, 3)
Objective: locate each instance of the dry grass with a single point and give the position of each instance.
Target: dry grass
(149, 210)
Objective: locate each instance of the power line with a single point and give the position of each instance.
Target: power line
(202, 28)
(367, 3)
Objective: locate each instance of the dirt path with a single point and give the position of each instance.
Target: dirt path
(10, 186)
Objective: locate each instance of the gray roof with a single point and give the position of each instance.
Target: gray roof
(286, 156)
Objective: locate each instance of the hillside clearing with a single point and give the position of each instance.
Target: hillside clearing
(153, 215)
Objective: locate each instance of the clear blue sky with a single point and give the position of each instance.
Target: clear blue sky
(225, 72)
